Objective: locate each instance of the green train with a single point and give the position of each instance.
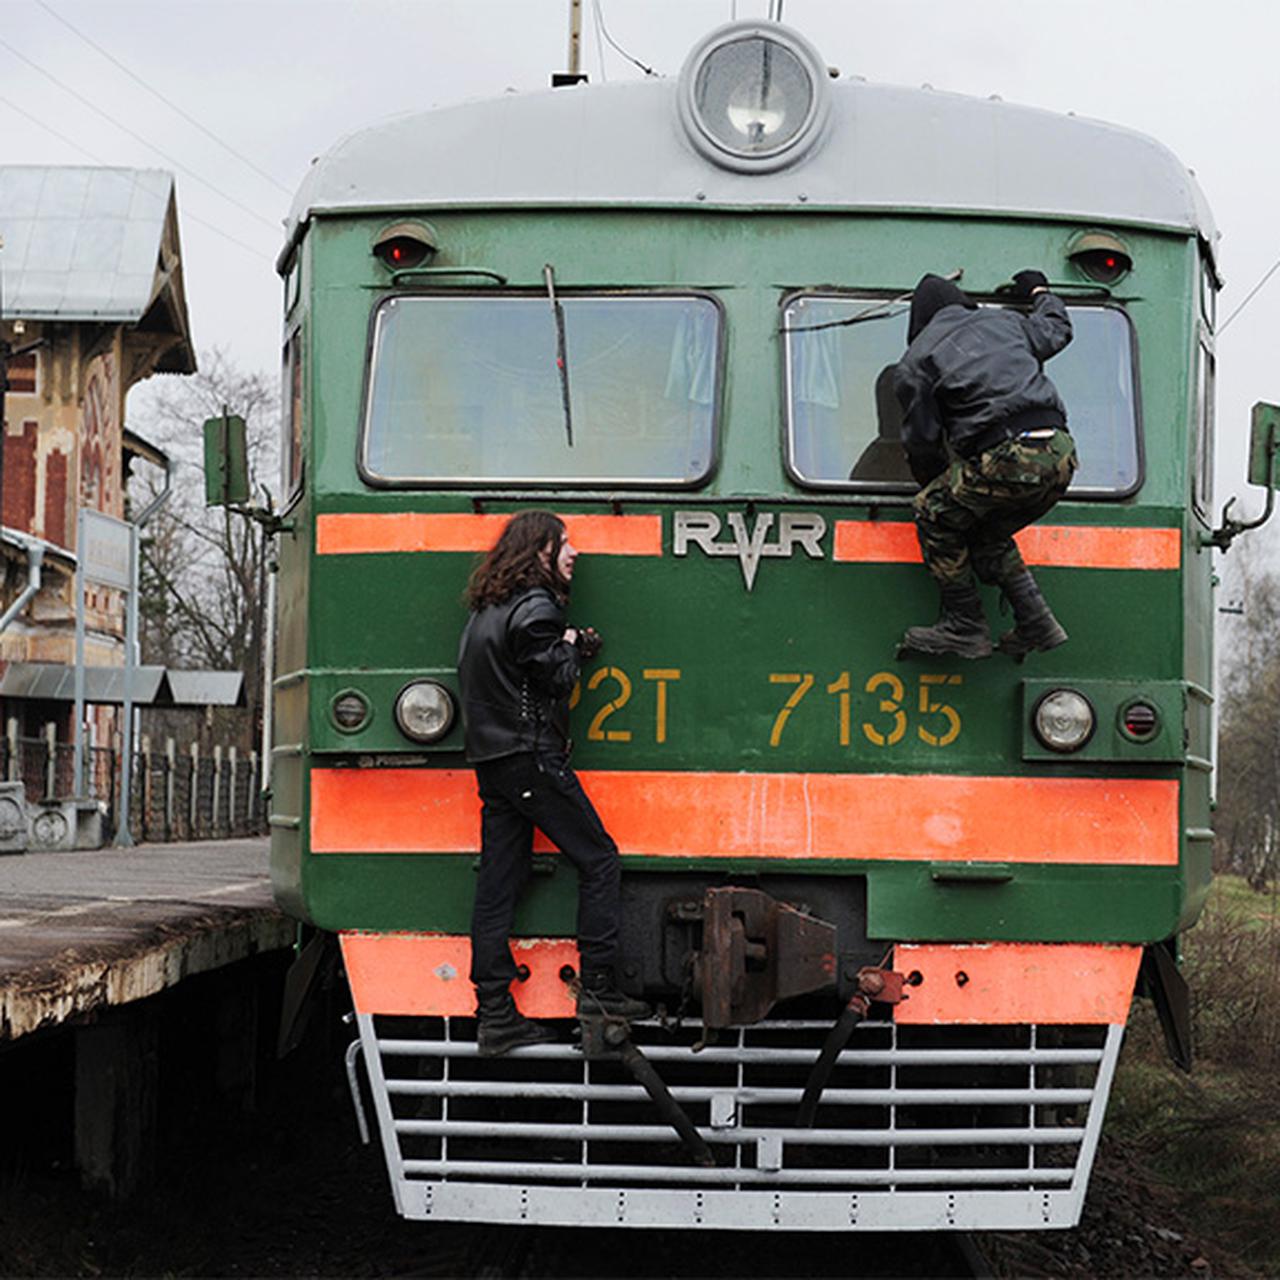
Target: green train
(992, 855)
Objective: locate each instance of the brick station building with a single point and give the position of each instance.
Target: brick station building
(91, 271)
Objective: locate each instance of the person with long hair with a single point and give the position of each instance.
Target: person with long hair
(518, 663)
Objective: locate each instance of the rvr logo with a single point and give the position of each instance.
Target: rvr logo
(795, 529)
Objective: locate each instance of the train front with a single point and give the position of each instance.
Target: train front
(892, 912)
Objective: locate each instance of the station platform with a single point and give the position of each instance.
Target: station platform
(86, 930)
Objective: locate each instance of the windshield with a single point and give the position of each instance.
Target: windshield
(844, 422)
(467, 388)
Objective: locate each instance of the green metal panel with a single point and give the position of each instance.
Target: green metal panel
(433, 892)
(368, 620)
(226, 461)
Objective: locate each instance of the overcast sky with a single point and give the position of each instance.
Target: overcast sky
(279, 81)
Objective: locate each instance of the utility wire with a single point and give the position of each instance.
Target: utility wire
(649, 71)
(226, 146)
(1275, 266)
(595, 14)
(71, 142)
(93, 106)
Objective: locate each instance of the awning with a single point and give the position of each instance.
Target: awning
(152, 686)
(206, 688)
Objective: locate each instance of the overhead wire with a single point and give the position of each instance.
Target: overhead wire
(177, 164)
(151, 89)
(595, 22)
(649, 71)
(1275, 266)
(186, 213)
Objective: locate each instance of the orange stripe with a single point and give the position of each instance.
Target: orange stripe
(1069, 546)
(427, 975)
(355, 533)
(1018, 982)
(941, 817)
(421, 975)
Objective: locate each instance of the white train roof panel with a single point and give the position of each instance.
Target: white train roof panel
(885, 148)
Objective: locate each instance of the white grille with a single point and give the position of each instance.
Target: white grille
(949, 1126)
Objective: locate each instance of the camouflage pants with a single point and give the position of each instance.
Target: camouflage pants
(967, 516)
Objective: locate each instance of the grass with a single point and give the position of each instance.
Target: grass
(1215, 1135)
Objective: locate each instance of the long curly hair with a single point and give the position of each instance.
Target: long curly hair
(515, 564)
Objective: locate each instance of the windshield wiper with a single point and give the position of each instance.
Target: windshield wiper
(562, 353)
(876, 311)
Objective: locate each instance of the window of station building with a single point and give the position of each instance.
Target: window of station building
(23, 373)
(843, 419)
(467, 388)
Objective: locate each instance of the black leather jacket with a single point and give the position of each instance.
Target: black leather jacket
(517, 672)
(971, 373)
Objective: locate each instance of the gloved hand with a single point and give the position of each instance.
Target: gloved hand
(1027, 281)
(589, 642)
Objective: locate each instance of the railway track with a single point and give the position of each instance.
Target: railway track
(544, 1253)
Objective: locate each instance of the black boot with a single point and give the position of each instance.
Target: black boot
(599, 995)
(961, 630)
(501, 1027)
(1036, 628)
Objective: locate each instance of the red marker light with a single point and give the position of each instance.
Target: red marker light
(1140, 720)
(403, 251)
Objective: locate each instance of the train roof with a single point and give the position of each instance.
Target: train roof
(884, 148)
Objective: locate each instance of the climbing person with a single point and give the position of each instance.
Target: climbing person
(985, 433)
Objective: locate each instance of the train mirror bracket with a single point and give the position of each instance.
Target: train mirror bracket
(1264, 443)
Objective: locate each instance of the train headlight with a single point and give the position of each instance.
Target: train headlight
(753, 96)
(1064, 720)
(424, 711)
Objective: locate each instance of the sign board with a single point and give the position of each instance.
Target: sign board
(226, 462)
(104, 549)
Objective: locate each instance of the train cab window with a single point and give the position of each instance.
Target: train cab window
(1202, 486)
(466, 389)
(291, 419)
(844, 423)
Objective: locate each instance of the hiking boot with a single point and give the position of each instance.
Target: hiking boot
(962, 628)
(501, 1027)
(1035, 629)
(599, 996)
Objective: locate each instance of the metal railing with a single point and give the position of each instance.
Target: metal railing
(174, 795)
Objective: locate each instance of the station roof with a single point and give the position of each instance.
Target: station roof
(94, 244)
(152, 686)
(885, 148)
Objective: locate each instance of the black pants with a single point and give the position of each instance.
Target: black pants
(518, 793)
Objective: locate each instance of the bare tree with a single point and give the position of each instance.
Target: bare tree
(1248, 815)
(203, 590)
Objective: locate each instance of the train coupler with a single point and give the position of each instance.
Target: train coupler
(755, 952)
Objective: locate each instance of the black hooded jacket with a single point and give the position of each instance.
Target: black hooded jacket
(970, 372)
(517, 672)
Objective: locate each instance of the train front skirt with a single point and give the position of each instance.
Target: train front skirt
(919, 1128)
